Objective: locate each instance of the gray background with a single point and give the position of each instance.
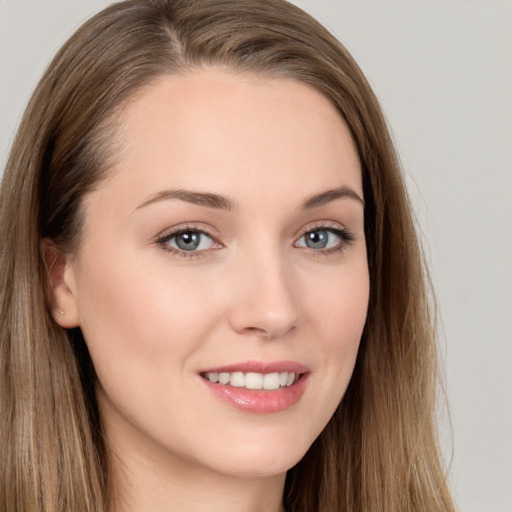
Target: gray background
(442, 70)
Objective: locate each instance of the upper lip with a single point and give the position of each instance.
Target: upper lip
(259, 367)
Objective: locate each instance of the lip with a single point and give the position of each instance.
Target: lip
(260, 367)
(259, 401)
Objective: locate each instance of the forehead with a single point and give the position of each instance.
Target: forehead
(233, 133)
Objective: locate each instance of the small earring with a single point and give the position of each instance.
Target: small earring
(61, 312)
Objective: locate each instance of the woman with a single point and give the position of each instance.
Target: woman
(213, 296)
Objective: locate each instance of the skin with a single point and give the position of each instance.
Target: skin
(153, 319)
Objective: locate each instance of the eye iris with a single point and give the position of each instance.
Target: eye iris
(188, 241)
(317, 239)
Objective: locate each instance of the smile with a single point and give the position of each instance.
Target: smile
(258, 387)
(253, 380)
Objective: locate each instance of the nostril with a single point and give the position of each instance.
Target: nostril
(255, 330)
(268, 333)
(258, 332)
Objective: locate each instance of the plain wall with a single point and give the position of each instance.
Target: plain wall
(442, 70)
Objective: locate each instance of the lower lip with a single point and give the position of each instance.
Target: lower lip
(259, 400)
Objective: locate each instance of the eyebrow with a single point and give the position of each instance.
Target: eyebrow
(199, 198)
(217, 201)
(331, 195)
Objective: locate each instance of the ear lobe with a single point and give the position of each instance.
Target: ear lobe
(60, 296)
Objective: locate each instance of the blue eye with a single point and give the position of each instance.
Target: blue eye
(322, 239)
(188, 240)
(318, 239)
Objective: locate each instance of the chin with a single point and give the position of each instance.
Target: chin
(264, 459)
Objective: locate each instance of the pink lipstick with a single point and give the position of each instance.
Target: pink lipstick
(258, 387)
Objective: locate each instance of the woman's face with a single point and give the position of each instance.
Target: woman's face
(226, 243)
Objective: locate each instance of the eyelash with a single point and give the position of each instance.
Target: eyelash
(345, 236)
(163, 241)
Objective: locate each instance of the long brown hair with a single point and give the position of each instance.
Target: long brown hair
(379, 452)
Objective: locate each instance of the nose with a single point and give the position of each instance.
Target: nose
(265, 302)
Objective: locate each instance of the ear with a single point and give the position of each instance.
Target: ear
(61, 289)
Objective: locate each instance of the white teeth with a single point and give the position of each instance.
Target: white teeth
(213, 377)
(271, 381)
(237, 380)
(253, 380)
(224, 378)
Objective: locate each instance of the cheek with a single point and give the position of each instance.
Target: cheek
(340, 306)
(338, 315)
(140, 316)
(143, 324)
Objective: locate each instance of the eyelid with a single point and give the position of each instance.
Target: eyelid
(323, 224)
(188, 226)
